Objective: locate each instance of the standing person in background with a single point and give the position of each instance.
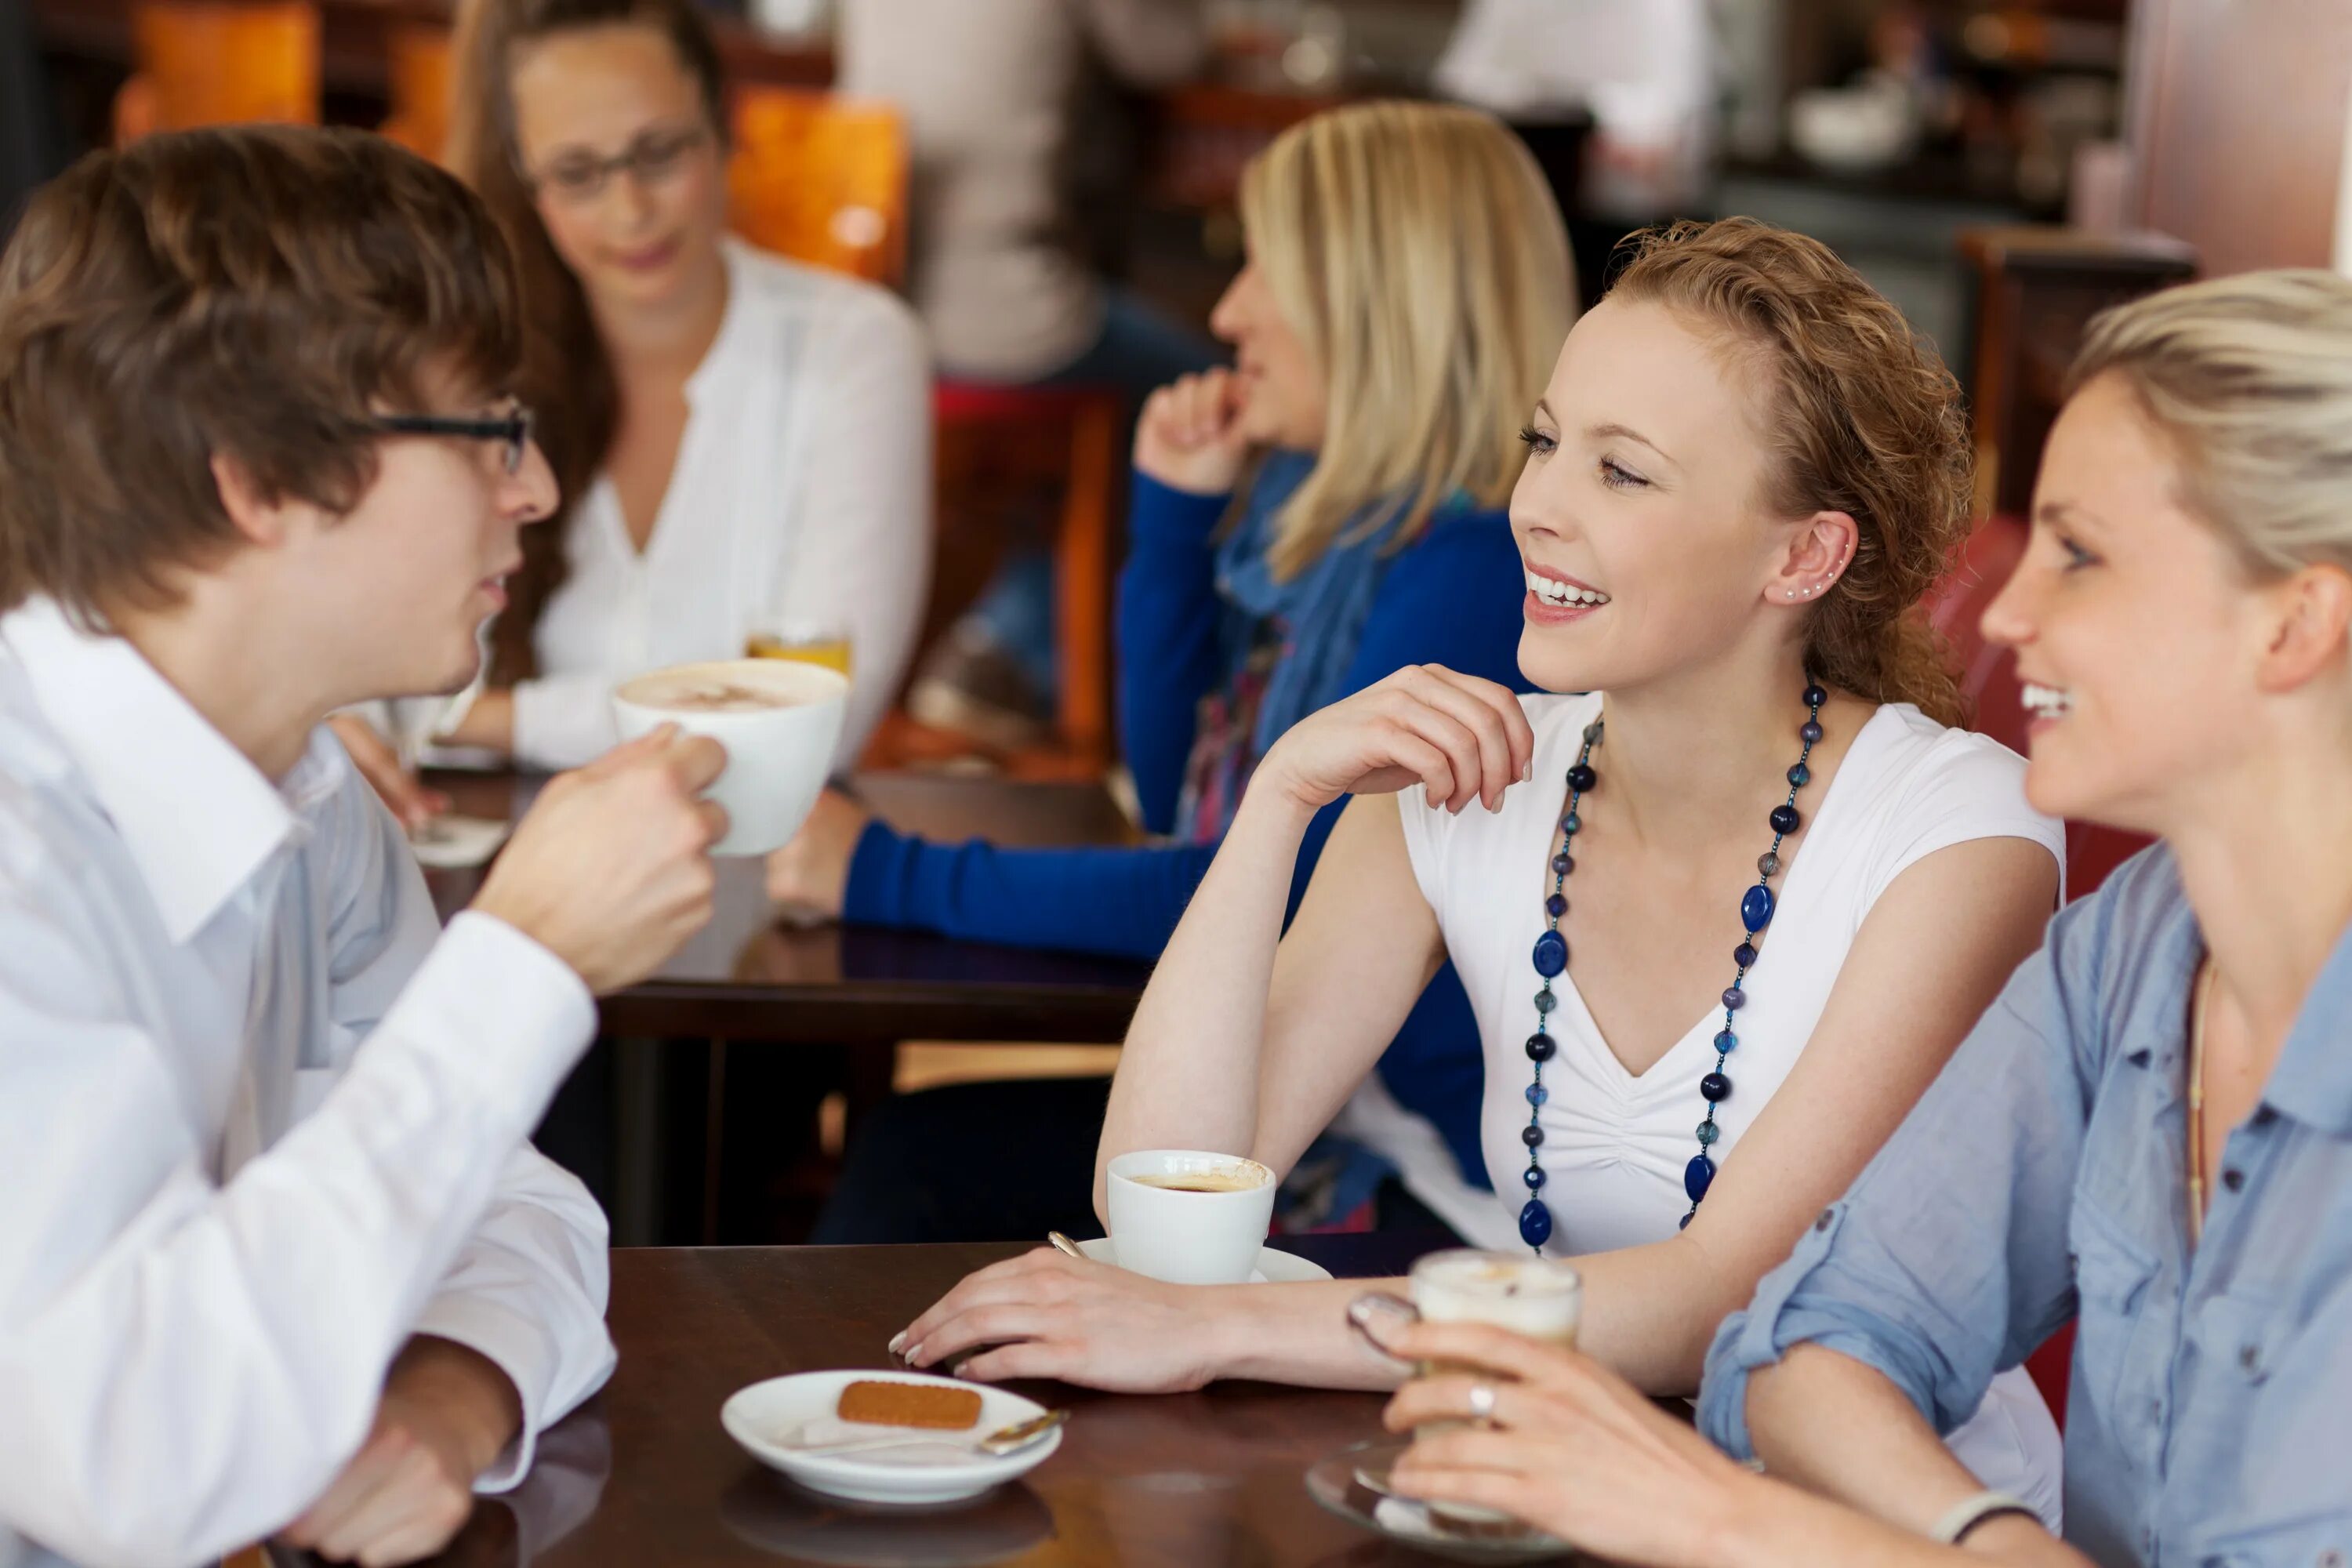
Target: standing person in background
(1644, 72)
(1368, 536)
(990, 93)
(740, 440)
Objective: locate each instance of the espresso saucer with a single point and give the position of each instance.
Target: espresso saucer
(767, 1419)
(1350, 1483)
(1272, 1268)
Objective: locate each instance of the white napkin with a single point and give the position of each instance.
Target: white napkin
(922, 1447)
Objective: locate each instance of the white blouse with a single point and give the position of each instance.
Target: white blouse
(1616, 1143)
(802, 491)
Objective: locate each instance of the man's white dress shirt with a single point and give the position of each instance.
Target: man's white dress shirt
(260, 1122)
(801, 492)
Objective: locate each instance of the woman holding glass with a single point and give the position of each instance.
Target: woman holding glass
(2150, 1132)
(1723, 905)
(743, 443)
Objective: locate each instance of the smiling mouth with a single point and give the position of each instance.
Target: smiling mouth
(1562, 595)
(2045, 702)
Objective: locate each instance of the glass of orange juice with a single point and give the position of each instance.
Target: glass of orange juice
(816, 642)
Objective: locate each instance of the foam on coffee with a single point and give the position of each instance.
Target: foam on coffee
(1239, 1180)
(1532, 1296)
(699, 691)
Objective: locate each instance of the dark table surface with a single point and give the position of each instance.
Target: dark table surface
(643, 1474)
(746, 977)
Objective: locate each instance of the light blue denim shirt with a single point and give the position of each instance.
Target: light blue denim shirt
(2043, 1177)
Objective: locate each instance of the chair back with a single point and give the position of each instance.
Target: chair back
(418, 62)
(219, 62)
(822, 179)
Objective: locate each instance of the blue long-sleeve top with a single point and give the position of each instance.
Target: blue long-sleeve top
(1450, 597)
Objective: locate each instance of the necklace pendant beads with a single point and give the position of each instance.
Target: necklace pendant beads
(1757, 905)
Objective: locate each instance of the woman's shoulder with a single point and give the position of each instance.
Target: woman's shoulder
(1908, 753)
(1483, 531)
(1911, 785)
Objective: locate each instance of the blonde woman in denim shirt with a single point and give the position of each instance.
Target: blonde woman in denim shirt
(2150, 1130)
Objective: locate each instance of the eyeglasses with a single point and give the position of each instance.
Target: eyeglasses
(512, 428)
(654, 158)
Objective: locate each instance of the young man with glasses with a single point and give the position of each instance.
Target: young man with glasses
(275, 1254)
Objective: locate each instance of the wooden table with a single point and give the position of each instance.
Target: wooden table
(643, 1474)
(747, 978)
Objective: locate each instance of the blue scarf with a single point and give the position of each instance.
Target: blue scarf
(1310, 625)
(1319, 614)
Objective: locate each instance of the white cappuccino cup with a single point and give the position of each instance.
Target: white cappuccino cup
(779, 721)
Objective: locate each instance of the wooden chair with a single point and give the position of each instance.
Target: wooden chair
(219, 62)
(822, 179)
(2036, 289)
(1072, 435)
(417, 61)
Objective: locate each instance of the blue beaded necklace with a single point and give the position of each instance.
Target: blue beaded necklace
(1551, 962)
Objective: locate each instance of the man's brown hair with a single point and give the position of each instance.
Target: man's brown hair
(260, 293)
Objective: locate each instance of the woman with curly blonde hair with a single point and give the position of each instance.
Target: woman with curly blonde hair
(1723, 905)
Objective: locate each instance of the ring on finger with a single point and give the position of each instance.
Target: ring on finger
(1482, 1402)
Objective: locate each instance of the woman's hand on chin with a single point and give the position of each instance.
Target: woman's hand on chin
(1570, 1448)
(1188, 435)
(1046, 1314)
(1461, 738)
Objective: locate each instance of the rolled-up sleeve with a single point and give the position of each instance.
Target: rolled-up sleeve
(1947, 1262)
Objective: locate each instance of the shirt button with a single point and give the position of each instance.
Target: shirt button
(1824, 1222)
(2331, 1558)
(2263, 1117)
(2233, 1178)
(2249, 1357)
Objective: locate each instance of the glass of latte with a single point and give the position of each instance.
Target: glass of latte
(1541, 1297)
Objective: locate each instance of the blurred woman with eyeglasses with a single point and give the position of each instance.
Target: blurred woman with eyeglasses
(742, 442)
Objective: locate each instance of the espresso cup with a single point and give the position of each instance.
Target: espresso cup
(1190, 1217)
(779, 721)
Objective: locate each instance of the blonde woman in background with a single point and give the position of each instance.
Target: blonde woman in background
(1303, 526)
(2150, 1130)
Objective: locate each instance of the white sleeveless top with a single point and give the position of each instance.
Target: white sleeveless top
(1615, 1144)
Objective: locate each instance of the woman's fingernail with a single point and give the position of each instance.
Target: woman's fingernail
(914, 1355)
(897, 1341)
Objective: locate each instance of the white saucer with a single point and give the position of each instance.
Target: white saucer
(1272, 1268)
(765, 1416)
